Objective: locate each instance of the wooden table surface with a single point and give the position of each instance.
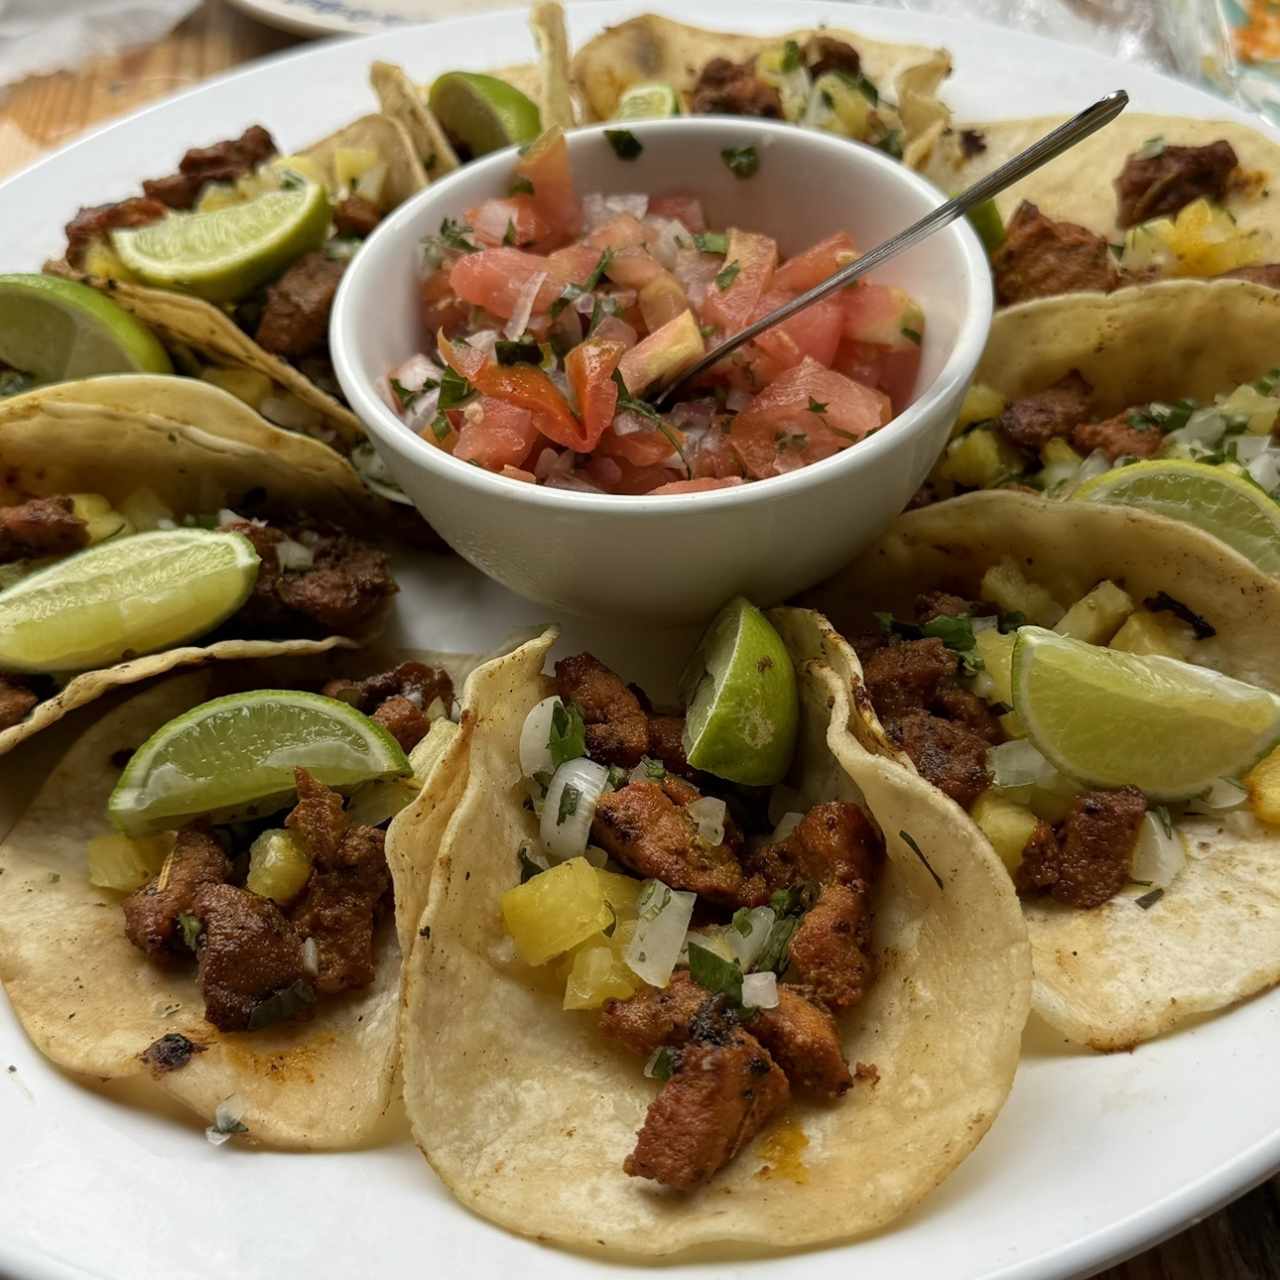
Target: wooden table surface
(1241, 1242)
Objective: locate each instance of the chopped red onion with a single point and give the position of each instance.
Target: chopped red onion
(523, 309)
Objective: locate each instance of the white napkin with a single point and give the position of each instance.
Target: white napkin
(38, 36)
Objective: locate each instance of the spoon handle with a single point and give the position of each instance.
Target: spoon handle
(1047, 148)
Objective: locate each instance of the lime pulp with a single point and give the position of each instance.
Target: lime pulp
(483, 113)
(651, 100)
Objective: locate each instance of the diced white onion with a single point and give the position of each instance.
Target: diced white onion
(567, 838)
(984, 624)
(523, 308)
(1158, 855)
(664, 919)
(293, 555)
(1265, 470)
(737, 400)
(311, 957)
(415, 372)
(708, 814)
(786, 825)
(584, 304)
(1018, 764)
(627, 423)
(575, 481)
(1249, 447)
(535, 737)
(226, 516)
(227, 1117)
(1204, 427)
(1096, 464)
(747, 946)
(437, 709)
(651, 1066)
(672, 237)
(595, 855)
(760, 991)
(1222, 797)
(423, 409)
(597, 209)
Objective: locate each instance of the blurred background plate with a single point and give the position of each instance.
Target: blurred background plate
(359, 17)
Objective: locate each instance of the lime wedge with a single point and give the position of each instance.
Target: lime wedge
(986, 221)
(483, 113)
(223, 254)
(1209, 497)
(1110, 718)
(57, 329)
(234, 758)
(649, 101)
(740, 690)
(127, 596)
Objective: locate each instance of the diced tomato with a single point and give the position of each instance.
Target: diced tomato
(460, 356)
(518, 473)
(531, 389)
(617, 475)
(882, 314)
(441, 307)
(645, 448)
(622, 232)
(816, 264)
(662, 354)
(495, 278)
(711, 455)
(513, 220)
(892, 370)
(806, 414)
(661, 300)
(813, 332)
(574, 262)
(590, 367)
(684, 208)
(695, 486)
(546, 166)
(495, 433)
(633, 268)
(616, 329)
(696, 272)
(754, 257)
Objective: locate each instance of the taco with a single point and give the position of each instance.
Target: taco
(265, 338)
(527, 1111)
(233, 533)
(1148, 198)
(447, 130)
(242, 961)
(1069, 396)
(1151, 892)
(840, 81)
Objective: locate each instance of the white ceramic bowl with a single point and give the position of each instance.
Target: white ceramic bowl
(677, 559)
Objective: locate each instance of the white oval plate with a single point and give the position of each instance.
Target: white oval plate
(1093, 1158)
(360, 17)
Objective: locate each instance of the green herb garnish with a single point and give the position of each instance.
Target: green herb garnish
(627, 403)
(816, 406)
(529, 866)
(625, 144)
(520, 351)
(711, 242)
(191, 927)
(567, 739)
(279, 1006)
(569, 797)
(662, 1063)
(743, 162)
(455, 234)
(911, 335)
(455, 390)
(715, 973)
(509, 235)
(572, 292)
(911, 844)
(521, 186)
(726, 277)
(790, 56)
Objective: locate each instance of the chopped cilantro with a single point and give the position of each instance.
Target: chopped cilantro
(919, 852)
(627, 403)
(191, 927)
(625, 144)
(816, 406)
(1011, 622)
(954, 630)
(911, 335)
(774, 955)
(743, 162)
(857, 80)
(403, 394)
(521, 351)
(567, 739)
(652, 768)
(715, 973)
(569, 797)
(455, 390)
(791, 56)
(726, 277)
(572, 292)
(661, 1064)
(441, 426)
(1163, 602)
(454, 234)
(509, 235)
(891, 144)
(617, 777)
(1149, 900)
(529, 865)
(282, 1005)
(711, 242)
(521, 186)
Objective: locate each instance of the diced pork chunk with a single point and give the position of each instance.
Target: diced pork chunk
(831, 950)
(1160, 184)
(945, 754)
(1117, 437)
(151, 913)
(355, 216)
(1032, 421)
(95, 221)
(40, 527)
(825, 53)
(652, 1018)
(802, 1038)
(733, 89)
(295, 320)
(17, 701)
(617, 726)
(834, 843)
(905, 677)
(1041, 257)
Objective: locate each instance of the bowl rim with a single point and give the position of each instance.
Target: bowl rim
(380, 420)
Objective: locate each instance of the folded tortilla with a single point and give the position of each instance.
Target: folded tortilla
(1117, 975)
(526, 1113)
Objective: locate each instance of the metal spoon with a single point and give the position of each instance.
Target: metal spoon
(1051, 145)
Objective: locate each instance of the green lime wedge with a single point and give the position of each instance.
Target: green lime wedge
(56, 330)
(987, 222)
(483, 113)
(740, 691)
(224, 254)
(1213, 499)
(649, 101)
(234, 757)
(1110, 718)
(127, 596)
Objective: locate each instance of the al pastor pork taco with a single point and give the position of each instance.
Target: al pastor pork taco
(256, 324)
(1070, 400)
(1096, 688)
(1148, 198)
(233, 945)
(868, 90)
(647, 1009)
(132, 543)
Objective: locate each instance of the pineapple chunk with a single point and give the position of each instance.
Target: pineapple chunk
(981, 404)
(556, 910)
(370, 184)
(1005, 586)
(349, 163)
(1011, 724)
(304, 166)
(1006, 824)
(1263, 784)
(145, 511)
(1158, 633)
(218, 195)
(996, 652)
(100, 259)
(1058, 451)
(101, 519)
(124, 864)
(848, 108)
(245, 384)
(278, 867)
(1096, 617)
(1207, 241)
(980, 459)
(622, 893)
(597, 971)
(1249, 403)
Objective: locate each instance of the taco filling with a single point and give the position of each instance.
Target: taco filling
(70, 564)
(718, 947)
(549, 317)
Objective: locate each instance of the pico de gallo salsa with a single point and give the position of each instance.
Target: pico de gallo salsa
(549, 317)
